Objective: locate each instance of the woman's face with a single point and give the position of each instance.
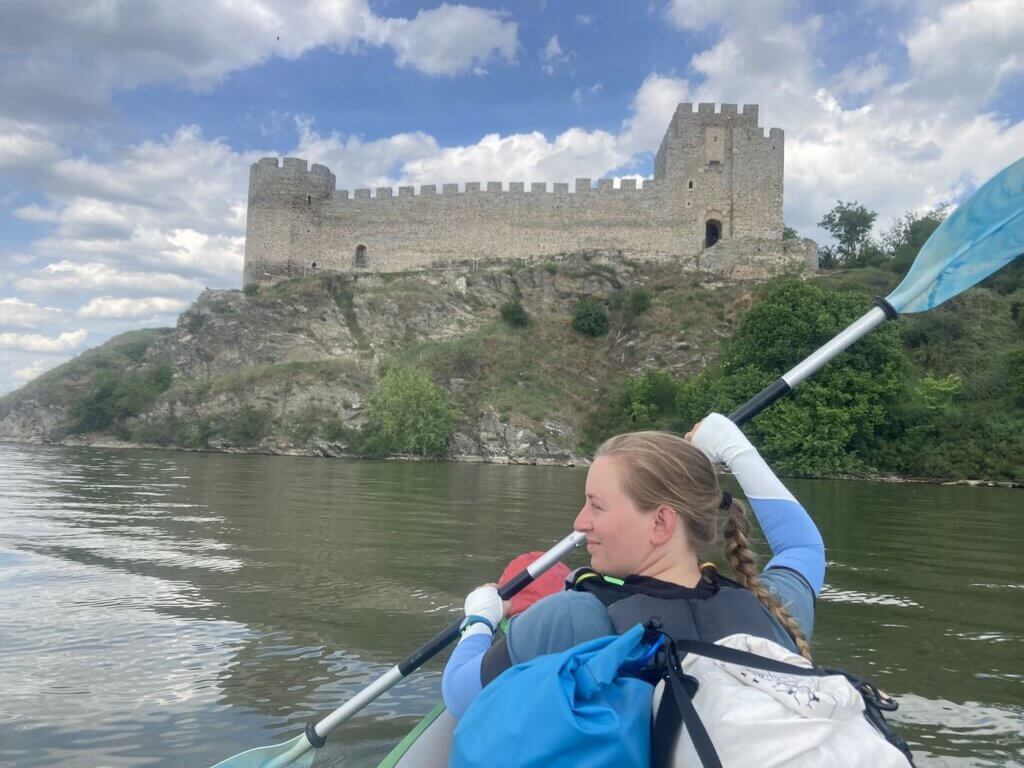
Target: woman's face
(618, 534)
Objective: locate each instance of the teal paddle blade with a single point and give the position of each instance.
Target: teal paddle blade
(982, 235)
(297, 753)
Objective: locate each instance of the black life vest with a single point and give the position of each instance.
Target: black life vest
(715, 608)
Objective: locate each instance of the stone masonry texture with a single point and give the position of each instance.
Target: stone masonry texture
(715, 171)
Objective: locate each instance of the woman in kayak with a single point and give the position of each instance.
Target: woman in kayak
(652, 510)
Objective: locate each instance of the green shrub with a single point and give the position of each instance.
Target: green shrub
(251, 289)
(248, 426)
(590, 318)
(409, 414)
(513, 313)
(632, 301)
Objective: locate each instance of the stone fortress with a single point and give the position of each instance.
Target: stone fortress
(715, 202)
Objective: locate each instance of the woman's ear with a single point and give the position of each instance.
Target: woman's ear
(663, 525)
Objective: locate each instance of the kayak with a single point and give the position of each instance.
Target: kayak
(427, 745)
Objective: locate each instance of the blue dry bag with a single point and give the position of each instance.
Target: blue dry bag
(581, 707)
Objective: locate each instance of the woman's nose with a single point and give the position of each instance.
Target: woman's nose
(582, 521)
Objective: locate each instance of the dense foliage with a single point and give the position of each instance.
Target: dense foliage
(112, 397)
(938, 394)
(409, 414)
(590, 318)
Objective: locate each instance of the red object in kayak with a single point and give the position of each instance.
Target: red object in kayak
(548, 583)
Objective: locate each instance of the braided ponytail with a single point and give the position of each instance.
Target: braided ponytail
(744, 565)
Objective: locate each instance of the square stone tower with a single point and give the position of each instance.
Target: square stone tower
(721, 176)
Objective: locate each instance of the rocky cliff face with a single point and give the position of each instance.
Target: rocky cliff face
(287, 370)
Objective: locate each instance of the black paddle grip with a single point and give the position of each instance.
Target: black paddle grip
(759, 402)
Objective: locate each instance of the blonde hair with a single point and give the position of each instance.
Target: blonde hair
(664, 469)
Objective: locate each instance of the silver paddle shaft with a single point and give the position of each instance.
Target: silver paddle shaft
(826, 352)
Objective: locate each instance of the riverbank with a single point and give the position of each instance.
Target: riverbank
(293, 369)
(336, 452)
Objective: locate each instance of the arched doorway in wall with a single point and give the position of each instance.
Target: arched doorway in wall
(362, 261)
(712, 232)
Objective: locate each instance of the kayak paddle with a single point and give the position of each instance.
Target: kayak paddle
(983, 235)
(299, 752)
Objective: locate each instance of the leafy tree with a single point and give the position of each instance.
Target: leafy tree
(590, 318)
(513, 313)
(788, 233)
(937, 395)
(409, 414)
(251, 289)
(907, 235)
(850, 224)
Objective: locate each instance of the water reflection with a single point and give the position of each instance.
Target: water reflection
(171, 609)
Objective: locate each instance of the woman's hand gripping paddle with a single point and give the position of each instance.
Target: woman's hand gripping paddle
(982, 236)
(299, 752)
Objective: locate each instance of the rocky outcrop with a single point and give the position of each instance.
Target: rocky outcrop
(286, 369)
(496, 442)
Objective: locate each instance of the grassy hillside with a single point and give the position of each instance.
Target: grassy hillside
(297, 368)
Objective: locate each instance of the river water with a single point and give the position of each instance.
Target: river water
(173, 609)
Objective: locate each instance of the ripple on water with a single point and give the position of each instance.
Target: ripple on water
(832, 594)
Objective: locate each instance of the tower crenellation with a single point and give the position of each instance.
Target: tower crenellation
(717, 176)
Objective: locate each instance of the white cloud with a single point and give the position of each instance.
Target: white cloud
(553, 56)
(35, 342)
(78, 278)
(17, 313)
(964, 55)
(356, 162)
(174, 204)
(699, 14)
(452, 39)
(522, 157)
(653, 107)
(580, 95)
(64, 58)
(584, 20)
(109, 307)
(24, 146)
(862, 79)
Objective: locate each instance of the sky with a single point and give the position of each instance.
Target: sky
(127, 127)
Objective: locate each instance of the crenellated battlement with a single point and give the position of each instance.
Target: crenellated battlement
(294, 176)
(293, 170)
(582, 186)
(716, 176)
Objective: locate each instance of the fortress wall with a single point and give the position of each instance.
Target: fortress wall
(711, 164)
(418, 229)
